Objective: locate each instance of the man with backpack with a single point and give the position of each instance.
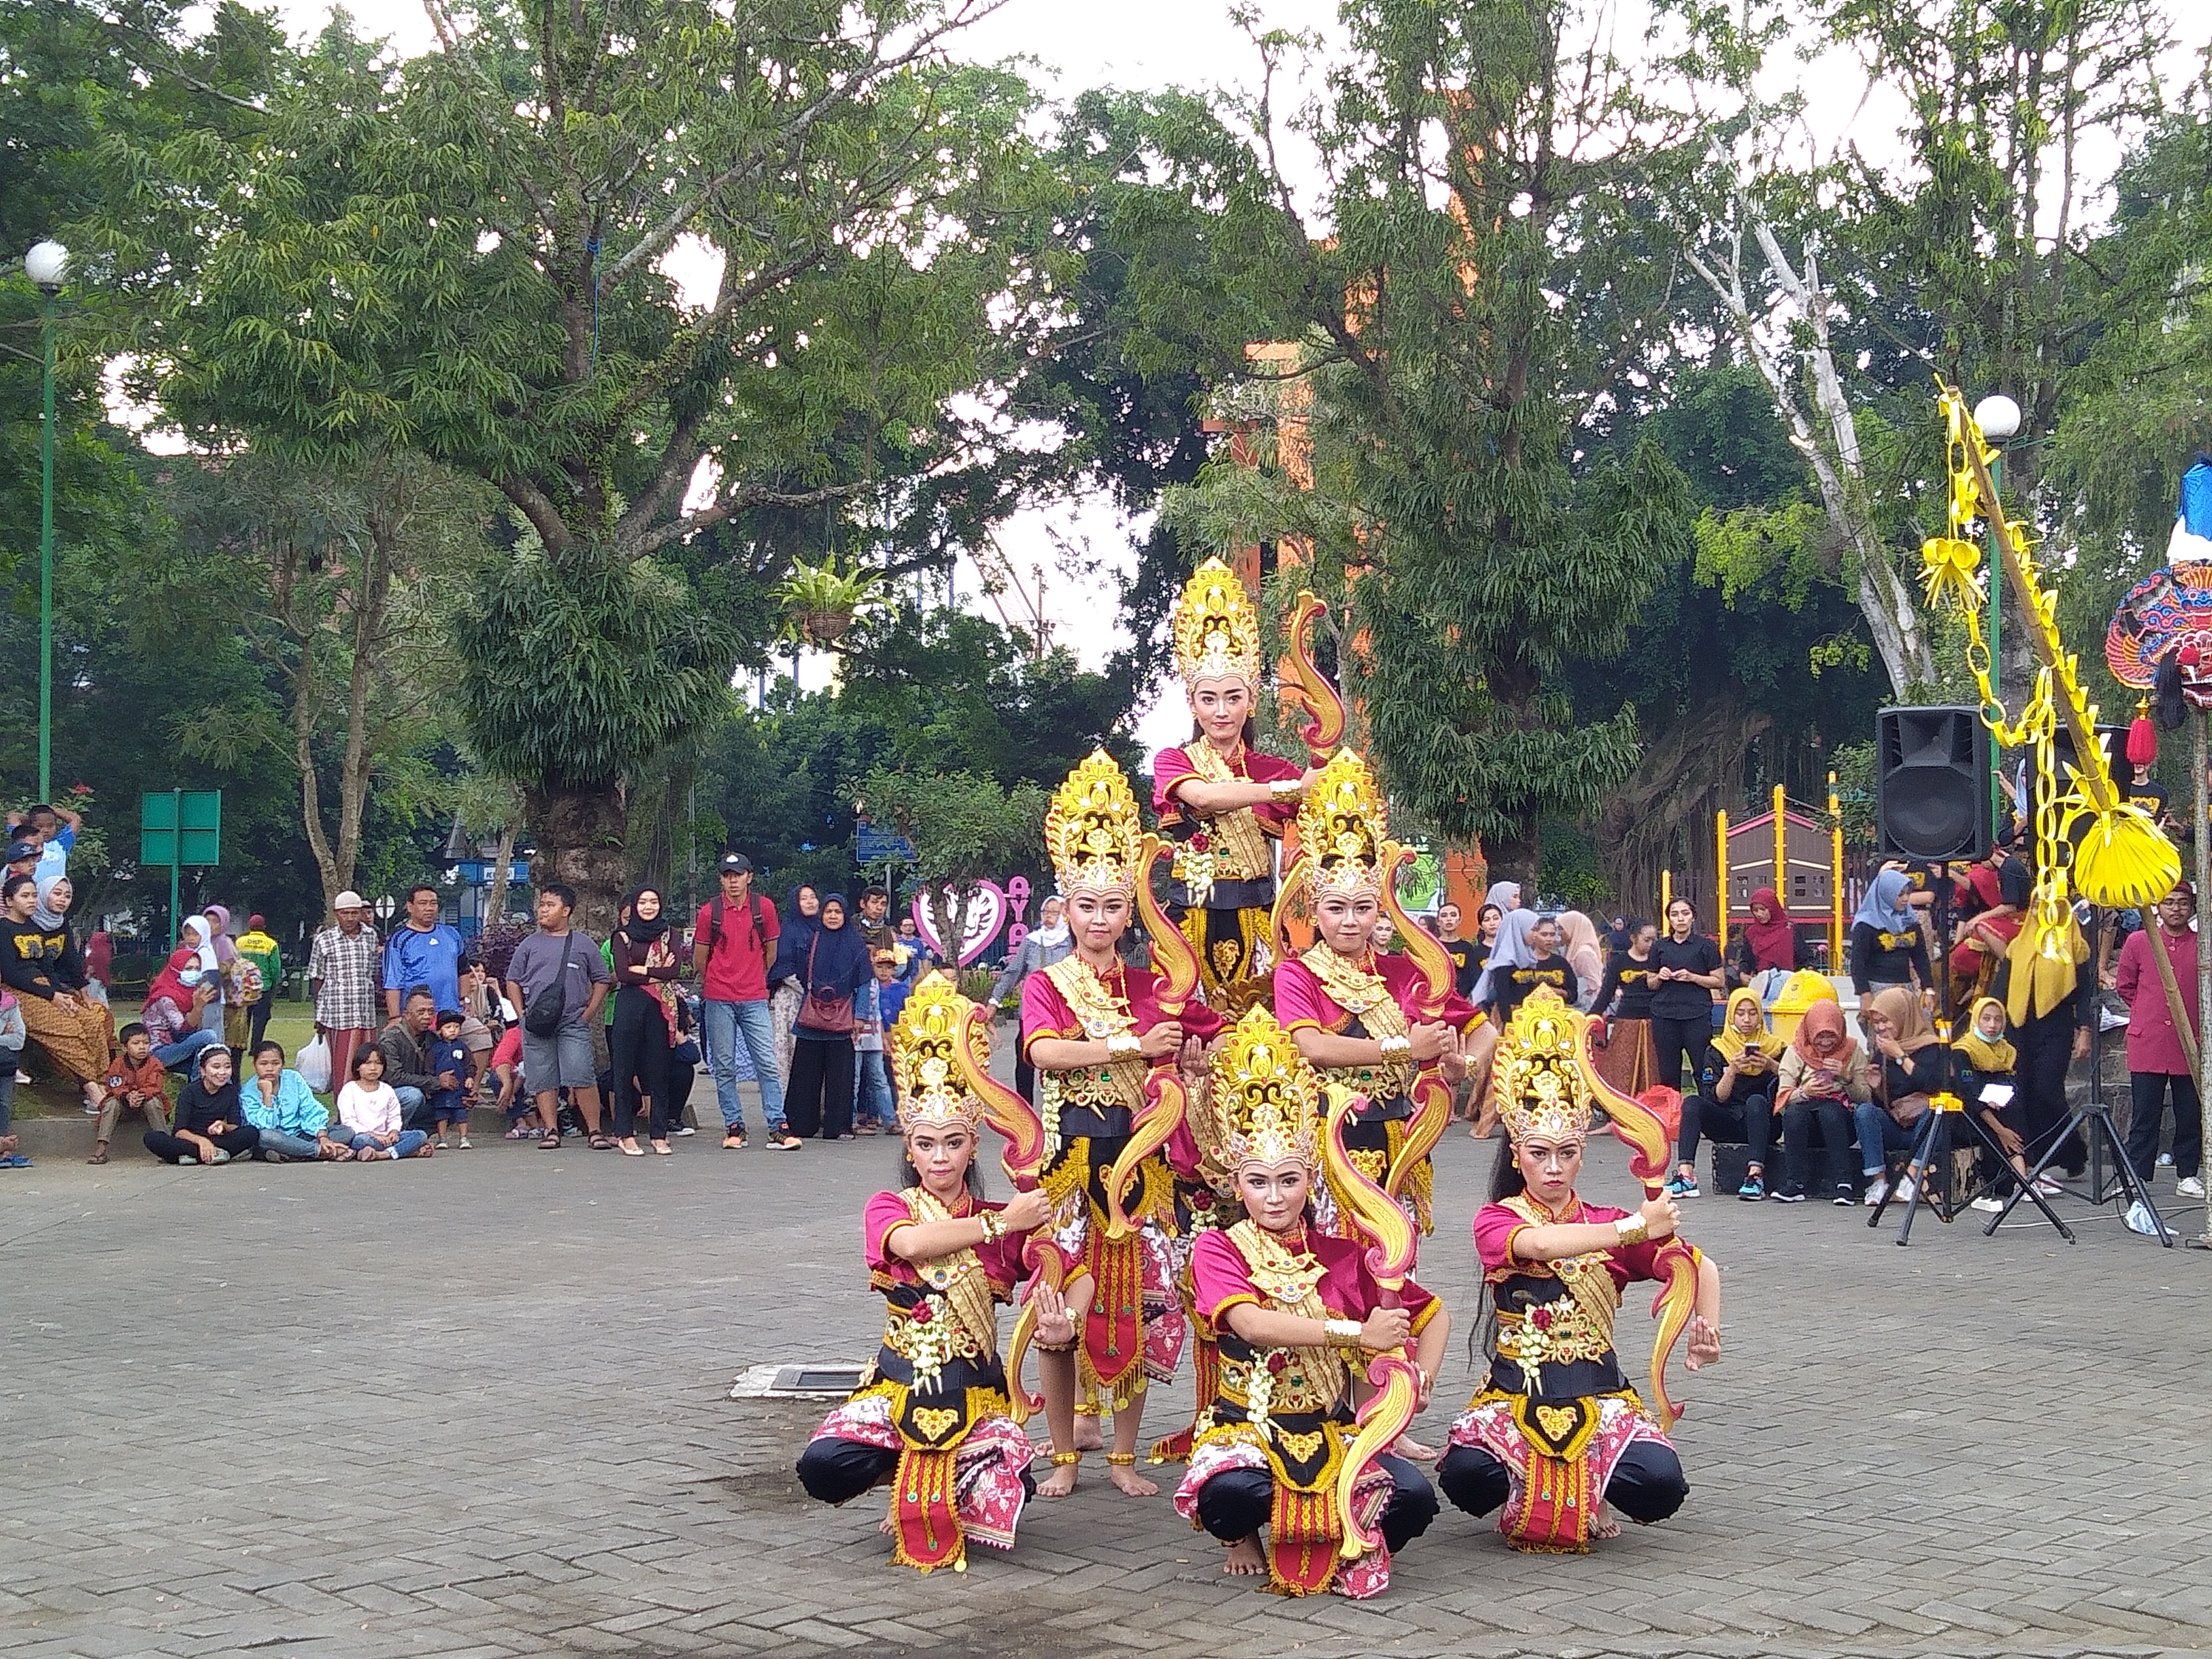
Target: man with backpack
(734, 942)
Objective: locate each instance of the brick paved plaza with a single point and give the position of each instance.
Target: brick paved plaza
(477, 1406)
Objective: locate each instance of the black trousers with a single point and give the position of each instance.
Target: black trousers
(837, 1470)
(637, 1052)
(1677, 1039)
(257, 1018)
(1235, 1503)
(174, 1148)
(819, 1101)
(2045, 1048)
(1828, 1122)
(2146, 1092)
(1024, 1077)
(1748, 1119)
(1648, 1484)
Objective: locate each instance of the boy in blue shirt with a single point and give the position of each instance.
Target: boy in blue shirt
(449, 1055)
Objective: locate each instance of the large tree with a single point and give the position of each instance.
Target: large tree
(471, 255)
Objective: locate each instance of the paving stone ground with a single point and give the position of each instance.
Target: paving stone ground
(477, 1406)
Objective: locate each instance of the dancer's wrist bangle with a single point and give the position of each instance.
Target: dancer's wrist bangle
(1287, 788)
(1396, 1048)
(1632, 1229)
(1124, 1048)
(1342, 1333)
(992, 1226)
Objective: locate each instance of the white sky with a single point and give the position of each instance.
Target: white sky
(1145, 43)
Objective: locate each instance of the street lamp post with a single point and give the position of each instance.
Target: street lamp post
(45, 265)
(1998, 416)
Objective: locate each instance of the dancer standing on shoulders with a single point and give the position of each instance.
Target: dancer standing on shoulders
(1556, 1439)
(931, 1415)
(1387, 1027)
(1297, 1314)
(1225, 802)
(1108, 1041)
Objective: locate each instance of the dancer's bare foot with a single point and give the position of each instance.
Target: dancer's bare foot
(1087, 1435)
(1607, 1524)
(887, 1526)
(1414, 1451)
(1058, 1483)
(1243, 1558)
(1127, 1479)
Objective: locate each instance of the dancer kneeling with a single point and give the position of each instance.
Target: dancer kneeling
(1555, 1437)
(1297, 1314)
(931, 1415)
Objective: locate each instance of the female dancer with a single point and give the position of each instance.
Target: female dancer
(1107, 1039)
(931, 1415)
(1220, 798)
(1296, 1313)
(1556, 1439)
(1388, 1027)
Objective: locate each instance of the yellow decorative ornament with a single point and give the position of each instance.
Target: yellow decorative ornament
(1093, 832)
(1541, 1087)
(1343, 823)
(1217, 629)
(2088, 838)
(925, 1058)
(1265, 1100)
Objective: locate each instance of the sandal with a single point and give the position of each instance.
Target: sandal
(631, 1150)
(602, 1143)
(551, 1142)
(97, 1157)
(660, 1148)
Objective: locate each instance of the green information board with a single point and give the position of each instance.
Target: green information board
(193, 818)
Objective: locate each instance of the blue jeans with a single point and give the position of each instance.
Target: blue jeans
(1879, 1136)
(187, 1046)
(410, 1141)
(721, 1025)
(415, 1108)
(877, 1104)
(306, 1148)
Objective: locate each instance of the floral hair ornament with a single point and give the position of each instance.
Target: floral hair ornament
(1217, 630)
(1342, 824)
(1543, 1090)
(1093, 832)
(926, 1060)
(1266, 1101)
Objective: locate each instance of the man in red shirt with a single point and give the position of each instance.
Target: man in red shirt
(733, 941)
(2157, 1058)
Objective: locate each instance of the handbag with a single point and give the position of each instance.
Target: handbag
(549, 1006)
(820, 1012)
(1908, 1110)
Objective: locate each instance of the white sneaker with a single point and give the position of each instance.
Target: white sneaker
(1986, 1202)
(2189, 1186)
(1877, 1189)
(464, 1143)
(2166, 1158)
(1905, 1190)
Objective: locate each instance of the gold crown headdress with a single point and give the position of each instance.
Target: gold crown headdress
(1093, 832)
(1542, 1089)
(1265, 1100)
(924, 1062)
(1217, 630)
(1342, 824)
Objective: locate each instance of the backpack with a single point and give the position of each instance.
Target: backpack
(714, 924)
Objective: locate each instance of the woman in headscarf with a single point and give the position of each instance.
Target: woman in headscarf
(1524, 956)
(1984, 1058)
(2051, 1000)
(42, 965)
(1768, 942)
(1505, 895)
(199, 932)
(231, 976)
(1824, 1076)
(1578, 944)
(1736, 1096)
(1627, 1058)
(645, 971)
(833, 968)
(802, 915)
(1911, 1062)
(1886, 948)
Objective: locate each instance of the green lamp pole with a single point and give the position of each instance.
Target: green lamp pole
(1998, 416)
(45, 265)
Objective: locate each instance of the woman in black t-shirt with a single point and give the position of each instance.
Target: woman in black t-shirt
(1628, 1060)
(1686, 973)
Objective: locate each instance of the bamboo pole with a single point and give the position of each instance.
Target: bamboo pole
(1781, 851)
(1720, 838)
(1835, 878)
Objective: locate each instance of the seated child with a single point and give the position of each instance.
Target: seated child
(137, 1082)
(369, 1115)
(505, 1068)
(449, 1057)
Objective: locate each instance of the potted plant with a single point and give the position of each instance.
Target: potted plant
(821, 599)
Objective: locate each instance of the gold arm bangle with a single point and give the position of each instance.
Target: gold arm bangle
(1395, 1047)
(1124, 1048)
(1632, 1229)
(1342, 1333)
(1287, 788)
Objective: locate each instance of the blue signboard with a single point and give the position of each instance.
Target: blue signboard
(883, 846)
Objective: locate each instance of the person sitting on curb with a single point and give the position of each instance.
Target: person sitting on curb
(137, 1082)
(210, 1123)
(13, 1035)
(405, 1045)
(368, 1112)
(280, 1105)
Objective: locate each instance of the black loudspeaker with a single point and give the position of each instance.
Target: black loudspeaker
(2112, 739)
(1932, 783)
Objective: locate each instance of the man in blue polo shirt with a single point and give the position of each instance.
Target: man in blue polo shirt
(421, 951)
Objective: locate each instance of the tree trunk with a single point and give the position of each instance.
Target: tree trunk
(1693, 769)
(580, 842)
(495, 907)
(1517, 857)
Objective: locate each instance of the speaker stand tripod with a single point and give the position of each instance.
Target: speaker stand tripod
(2093, 1118)
(1931, 1152)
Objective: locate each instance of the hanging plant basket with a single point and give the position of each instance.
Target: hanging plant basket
(820, 601)
(824, 628)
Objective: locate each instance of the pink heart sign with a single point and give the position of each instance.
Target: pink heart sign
(933, 920)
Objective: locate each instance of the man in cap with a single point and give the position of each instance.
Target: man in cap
(342, 971)
(732, 942)
(259, 948)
